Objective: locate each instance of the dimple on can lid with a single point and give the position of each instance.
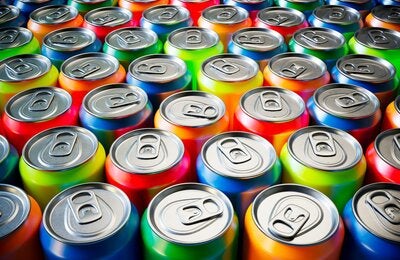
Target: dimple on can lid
(166, 15)
(387, 146)
(54, 14)
(225, 14)
(193, 38)
(131, 39)
(69, 39)
(14, 37)
(108, 16)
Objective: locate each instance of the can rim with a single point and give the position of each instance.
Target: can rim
(382, 19)
(69, 29)
(277, 35)
(179, 8)
(214, 34)
(378, 138)
(145, 30)
(240, 9)
(347, 9)
(115, 8)
(71, 8)
(19, 29)
(286, 9)
(40, 57)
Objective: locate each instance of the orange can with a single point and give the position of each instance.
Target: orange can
(391, 118)
(138, 6)
(384, 16)
(290, 221)
(20, 222)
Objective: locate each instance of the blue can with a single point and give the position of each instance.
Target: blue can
(90, 221)
(240, 165)
(62, 44)
(252, 6)
(8, 163)
(372, 220)
(364, 6)
(389, 2)
(27, 6)
(10, 16)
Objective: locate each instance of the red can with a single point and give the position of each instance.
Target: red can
(138, 6)
(195, 7)
(391, 118)
(35, 110)
(144, 162)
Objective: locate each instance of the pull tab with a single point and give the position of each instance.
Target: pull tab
(293, 71)
(396, 140)
(199, 211)
(277, 20)
(60, 39)
(352, 99)
(151, 69)
(193, 37)
(8, 36)
(85, 207)
(200, 110)
(168, 13)
(314, 37)
(234, 150)
(362, 68)
(271, 100)
(122, 99)
(322, 143)
(19, 67)
(40, 101)
(4, 11)
(58, 14)
(84, 70)
(62, 144)
(225, 67)
(337, 13)
(227, 13)
(148, 146)
(107, 18)
(255, 39)
(389, 209)
(288, 222)
(394, 13)
(378, 37)
(128, 37)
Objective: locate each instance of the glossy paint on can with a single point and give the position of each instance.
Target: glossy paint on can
(195, 7)
(26, 7)
(384, 16)
(137, 7)
(253, 6)
(9, 158)
(391, 118)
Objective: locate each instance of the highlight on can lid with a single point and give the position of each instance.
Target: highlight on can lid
(131, 39)
(8, 14)
(193, 38)
(54, 14)
(166, 15)
(24, 67)
(337, 14)
(387, 146)
(259, 40)
(108, 16)
(317, 38)
(378, 38)
(69, 39)
(281, 16)
(14, 37)
(387, 13)
(225, 14)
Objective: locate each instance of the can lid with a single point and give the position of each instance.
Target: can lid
(366, 68)
(87, 213)
(38, 104)
(69, 39)
(8, 13)
(14, 209)
(281, 16)
(90, 66)
(108, 16)
(54, 14)
(24, 67)
(131, 39)
(60, 148)
(337, 14)
(193, 38)
(295, 215)
(14, 37)
(192, 109)
(387, 146)
(297, 66)
(229, 68)
(387, 13)
(318, 38)
(166, 14)
(377, 208)
(190, 214)
(258, 39)
(238, 155)
(378, 38)
(4, 150)
(147, 151)
(272, 104)
(225, 14)
(115, 101)
(324, 148)
(397, 104)
(158, 68)
(346, 101)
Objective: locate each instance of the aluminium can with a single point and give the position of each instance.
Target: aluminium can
(251, 6)
(90, 221)
(84, 6)
(137, 7)
(363, 6)
(384, 16)
(28, 6)
(9, 158)
(10, 16)
(304, 6)
(190, 221)
(391, 118)
(195, 7)
(58, 158)
(16, 41)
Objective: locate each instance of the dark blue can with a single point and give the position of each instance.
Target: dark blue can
(27, 6)
(8, 163)
(389, 2)
(372, 220)
(253, 6)
(90, 221)
(10, 16)
(363, 6)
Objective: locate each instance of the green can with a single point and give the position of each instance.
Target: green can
(86, 6)
(17, 40)
(128, 44)
(190, 221)
(305, 6)
(193, 45)
(326, 159)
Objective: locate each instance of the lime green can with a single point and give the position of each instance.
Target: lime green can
(17, 40)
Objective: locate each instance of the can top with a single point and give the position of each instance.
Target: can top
(4, 149)
(272, 104)
(281, 16)
(131, 39)
(225, 14)
(297, 66)
(60, 148)
(397, 104)
(366, 68)
(378, 38)
(90, 66)
(14, 208)
(54, 14)
(193, 38)
(115, 101)
(108, 16)
(8, 13)
(387, 13)
(258, 39)
(14, 37)
(337, 14)
(238, 155)
(157, 68)
(147, 151)
(387, 146)
(24, 67)
(192, 109)
(89, 212)
(69, 39)
(166, 14)
(324, 148)
(295, 214)
(190, 214)
(38, 104)
(346, 101)
(318, 38)
(377, 208)
(229, 68)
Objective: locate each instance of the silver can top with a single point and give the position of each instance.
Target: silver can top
(387, 13)
(193, 38)
(281, 16)
(8, 13)
(69, 39)
(4, 149)
(387, 146)
(166, 14)
(108, 16)
(54, 14)
(378, 38)
(24, 67)
(337, 14)
(14, 37)
(131, 39)
(318, 38)
(225, 14)
(258, 39)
